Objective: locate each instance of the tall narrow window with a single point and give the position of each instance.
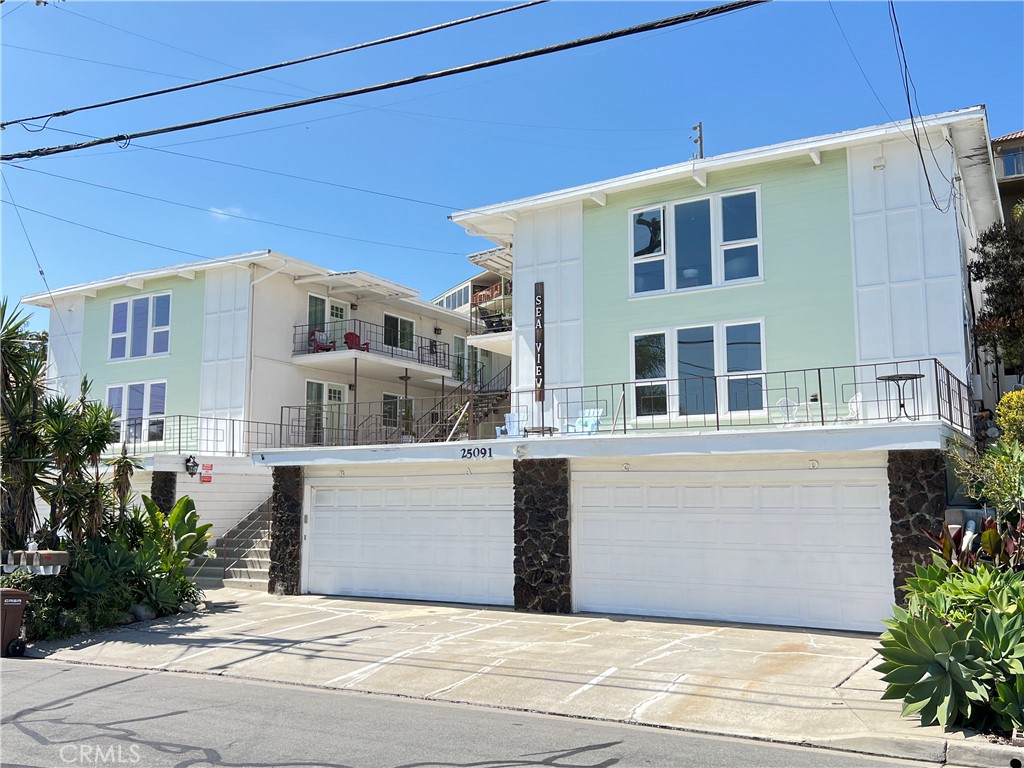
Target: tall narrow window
(649, 363)
(161, 324)
(693, 244)
(140, 410)
(696, 365)
(649, 250)
(743, 354)
(119, 330)
(316, 312)
(739, 236)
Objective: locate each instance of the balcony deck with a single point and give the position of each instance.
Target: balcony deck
(893, 395)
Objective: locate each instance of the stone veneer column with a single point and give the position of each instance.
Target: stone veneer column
(917, 507)
(286, 532)
(543, 565)
(163, 489)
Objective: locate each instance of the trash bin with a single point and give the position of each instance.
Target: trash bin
(13, 612)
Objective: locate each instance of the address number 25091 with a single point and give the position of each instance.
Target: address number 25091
(477, 453)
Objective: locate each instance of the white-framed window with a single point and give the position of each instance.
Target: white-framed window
(699, 369)
(139, 409)
(399, 332)
(397, 410)
(140, 326)
(696, 243)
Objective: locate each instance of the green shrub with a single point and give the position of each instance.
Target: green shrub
(1010, 415)
(956, 654)
(51, 613)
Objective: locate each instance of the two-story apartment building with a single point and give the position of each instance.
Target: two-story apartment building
(732, 382)
(220, 358)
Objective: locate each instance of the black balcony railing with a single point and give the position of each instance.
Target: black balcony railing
(892, 393)
(392, 342)
(195, 434)
(845, 396)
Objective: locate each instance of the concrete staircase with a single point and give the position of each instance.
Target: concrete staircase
(243, 555)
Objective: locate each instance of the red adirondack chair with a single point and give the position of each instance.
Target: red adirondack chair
(352, 342)
(319, 342)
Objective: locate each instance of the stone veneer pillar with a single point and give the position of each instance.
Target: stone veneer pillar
(543, 566)
(917, 507)
(286, 531)
(164, 489)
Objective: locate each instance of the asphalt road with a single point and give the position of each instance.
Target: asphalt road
(56, 714)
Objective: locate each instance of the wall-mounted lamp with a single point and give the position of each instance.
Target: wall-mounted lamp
(191, 466)
(878, 164)
(351, 387)
(353, 306)
(437, 331)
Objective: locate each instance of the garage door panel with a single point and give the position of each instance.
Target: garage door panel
(779, 550)
(421, 539)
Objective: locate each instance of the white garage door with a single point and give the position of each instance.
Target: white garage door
(427, 538)
(761, 546)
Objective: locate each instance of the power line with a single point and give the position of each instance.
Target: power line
(292, 62)
(126, 67)
(857, 61)
(125, 139)
(218, 212)
(39, 266)
(14, 9)
(103, 231)
(65, 9)
(282, 174)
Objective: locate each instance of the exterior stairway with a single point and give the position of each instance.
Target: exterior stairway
(243, 555)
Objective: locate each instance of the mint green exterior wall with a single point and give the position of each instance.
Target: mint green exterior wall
(180, 368)
(806, 299)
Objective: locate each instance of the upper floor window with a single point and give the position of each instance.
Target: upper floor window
(709, 241)
(140, 326)
(399, 332)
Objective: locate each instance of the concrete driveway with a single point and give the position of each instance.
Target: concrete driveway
(768, 683)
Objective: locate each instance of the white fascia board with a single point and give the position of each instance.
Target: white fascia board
(685, 170)
(358, 280)
(91, 288)
(432, 310)
(808, 440)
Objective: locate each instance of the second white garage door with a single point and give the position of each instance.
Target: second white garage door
(426, 538)
(776, 547)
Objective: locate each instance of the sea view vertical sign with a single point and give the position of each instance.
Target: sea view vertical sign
(538, 342)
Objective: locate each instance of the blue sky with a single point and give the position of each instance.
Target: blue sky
(767, 74)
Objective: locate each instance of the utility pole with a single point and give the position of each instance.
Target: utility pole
(699, 141)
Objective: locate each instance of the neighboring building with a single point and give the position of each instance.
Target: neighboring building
(224, 357)
(732, 383)
(1008, 154)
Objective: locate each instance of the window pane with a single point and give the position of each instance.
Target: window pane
(406, 334)
(161, 311)
(156, 430)
(314, 393)
(119, 322)
(746, 394)
(651, 400)
(157, 399)
(741, 262)
(390, 331)
(315, 311)
(649, 276)
(140, 327)
(695, 349)
(389, 407)
(136, 400)
(114, 400)
(743, 347)
(118, 347)
(739, 217)
(647, 233)
(693, 244)
(337, 311)
(649, 356)
(160, 342)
